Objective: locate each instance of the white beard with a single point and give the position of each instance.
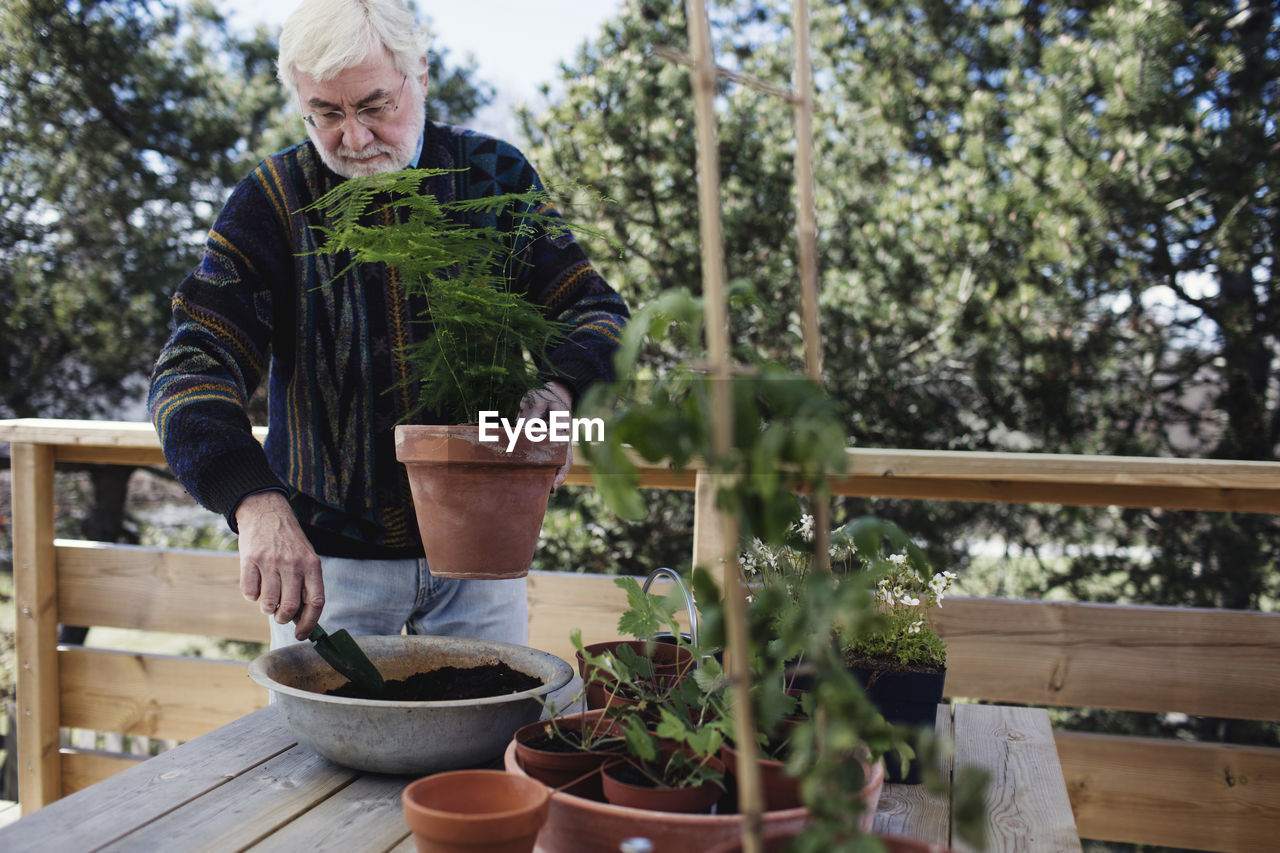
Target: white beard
(356, 164)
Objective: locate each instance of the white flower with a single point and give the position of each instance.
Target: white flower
(910, 600)
(883, 592)
(806, 527)
(898, 560)
(915, 627)
(748, 564)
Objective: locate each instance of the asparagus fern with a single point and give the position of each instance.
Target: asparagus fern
(458, 262)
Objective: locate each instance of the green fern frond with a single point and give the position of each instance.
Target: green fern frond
(487, 341)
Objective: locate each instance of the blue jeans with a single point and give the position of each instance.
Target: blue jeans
(380, 597)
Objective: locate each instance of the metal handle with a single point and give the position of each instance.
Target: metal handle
(674, 576)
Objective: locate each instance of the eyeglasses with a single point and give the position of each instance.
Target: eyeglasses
(367, 116)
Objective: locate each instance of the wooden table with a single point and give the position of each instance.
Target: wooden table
(1027, 804)
(249, 786)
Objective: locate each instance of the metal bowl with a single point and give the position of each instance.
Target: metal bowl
(406, 737)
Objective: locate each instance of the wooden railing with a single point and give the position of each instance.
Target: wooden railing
(1152, 659)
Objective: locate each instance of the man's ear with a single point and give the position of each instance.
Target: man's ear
(424, 76)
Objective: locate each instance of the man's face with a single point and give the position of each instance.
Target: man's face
(354, 150)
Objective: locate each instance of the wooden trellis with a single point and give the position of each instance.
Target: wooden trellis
(723, 550)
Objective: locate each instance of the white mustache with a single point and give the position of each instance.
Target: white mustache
(364, 154)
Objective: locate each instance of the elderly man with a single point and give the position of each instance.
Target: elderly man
(323, 512)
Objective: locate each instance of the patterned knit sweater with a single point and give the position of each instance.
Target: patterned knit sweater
(262, 304)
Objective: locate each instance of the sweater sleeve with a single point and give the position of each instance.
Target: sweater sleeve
(217, 354)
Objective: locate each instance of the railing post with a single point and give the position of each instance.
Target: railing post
(708, 547)
(35, 588)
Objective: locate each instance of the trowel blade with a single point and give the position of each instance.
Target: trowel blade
(343, 653)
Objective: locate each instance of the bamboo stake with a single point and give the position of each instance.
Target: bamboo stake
(807, 246)
(806, 220)
(750, 795)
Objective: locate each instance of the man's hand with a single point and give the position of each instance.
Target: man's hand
(553, 397)
(278, 567)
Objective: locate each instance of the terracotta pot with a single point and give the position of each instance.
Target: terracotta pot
(684, 800)
(479, 508)
(780, 790)
(577, 825)
(576, 771)
(466, 811)
(670, 664)
(778, 841)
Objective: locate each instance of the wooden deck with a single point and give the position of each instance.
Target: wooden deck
(1201, 662)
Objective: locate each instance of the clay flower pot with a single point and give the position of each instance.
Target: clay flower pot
(585, 826)
(670, 663)
(780, 790)
(465, 811)
(574, 771)
(479, 507)
(620, 791)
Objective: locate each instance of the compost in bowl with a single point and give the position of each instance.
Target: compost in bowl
(406, 737)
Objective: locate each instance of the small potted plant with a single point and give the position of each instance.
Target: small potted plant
(900, 660)
(649, 668)
(671, 728)
(777, 711)
(674, 767)
(479, 491)
(567, 753)
(897, 656)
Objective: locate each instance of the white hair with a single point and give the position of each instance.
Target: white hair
(322, 38)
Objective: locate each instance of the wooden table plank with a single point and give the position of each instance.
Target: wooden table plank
(244, 810)
(365, 815)
(1027, 805)
(913, 812)
(98, 815)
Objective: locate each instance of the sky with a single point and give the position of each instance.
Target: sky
(515, 56)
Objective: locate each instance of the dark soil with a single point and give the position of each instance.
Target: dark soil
(570, 740)
(627, 773)
(449, 683)
(882, 666)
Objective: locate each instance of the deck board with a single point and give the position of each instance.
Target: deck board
(90, 819)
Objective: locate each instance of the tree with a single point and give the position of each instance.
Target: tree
(1042, 227)
(123, 127)
(124, 123)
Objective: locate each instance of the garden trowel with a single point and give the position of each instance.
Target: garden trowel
(342, 653)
